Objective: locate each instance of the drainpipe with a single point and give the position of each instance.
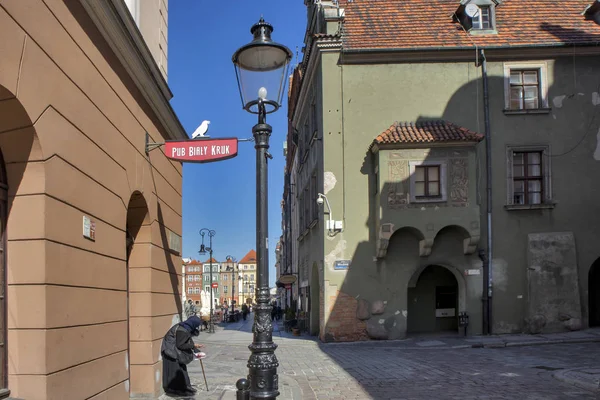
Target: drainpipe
(487, 272)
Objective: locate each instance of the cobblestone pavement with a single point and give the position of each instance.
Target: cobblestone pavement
(365, 371)
(391, 370)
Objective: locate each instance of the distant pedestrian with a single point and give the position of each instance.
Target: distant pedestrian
(244, 311)
(177, 351)
(190, 309)
(225, 311)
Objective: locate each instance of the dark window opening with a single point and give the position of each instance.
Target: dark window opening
(527, 178)
(427, 182)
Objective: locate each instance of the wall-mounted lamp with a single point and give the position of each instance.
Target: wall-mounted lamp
(332, 225)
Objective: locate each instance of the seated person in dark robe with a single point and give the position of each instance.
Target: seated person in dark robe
(177, 351)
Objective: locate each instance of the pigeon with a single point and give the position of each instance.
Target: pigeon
(201, 130)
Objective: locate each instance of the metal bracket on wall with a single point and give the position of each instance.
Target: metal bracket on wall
(151, 146)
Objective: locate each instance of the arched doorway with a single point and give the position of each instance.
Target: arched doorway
(315, 301)
(3, 330)
(433, 302)
(594, 293)
(135, 238)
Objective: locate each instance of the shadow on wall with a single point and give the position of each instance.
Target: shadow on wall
(573, 107)
(173, 269)
(403, 291)
(108, 55)
(19, 143)
(417, 284)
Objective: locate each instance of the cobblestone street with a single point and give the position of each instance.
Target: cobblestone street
(395, 370)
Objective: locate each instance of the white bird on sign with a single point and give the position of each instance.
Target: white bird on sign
(201, 130)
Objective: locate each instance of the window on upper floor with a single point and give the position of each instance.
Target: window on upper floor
(225, 289)
(428, 181)
(224, 277)
(196, 278)
(528, 176)
(528, 187)
(190, 290)
(190, 278)
(525, 87)
(134, 9)
(482, 19)
(477, 16)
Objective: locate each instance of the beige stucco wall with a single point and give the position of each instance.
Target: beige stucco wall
(72, 132)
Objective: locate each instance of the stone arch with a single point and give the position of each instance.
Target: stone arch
(19, 149)
(386, 231)
(137, 239)
(470, 241)
(460, 279)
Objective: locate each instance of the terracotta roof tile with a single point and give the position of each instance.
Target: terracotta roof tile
(194, 262)
(403, 24)
(426, 132)
(249, 258)
(213, 260)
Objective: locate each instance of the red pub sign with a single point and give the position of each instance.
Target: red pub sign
(214, 285)
(201, 150)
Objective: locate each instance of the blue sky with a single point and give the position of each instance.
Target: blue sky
(203, 35)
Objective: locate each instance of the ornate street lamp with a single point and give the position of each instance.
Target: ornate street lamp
(261, 68)
(203, 250)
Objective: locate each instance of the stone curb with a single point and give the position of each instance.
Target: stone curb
(534, 343)
(580, 383)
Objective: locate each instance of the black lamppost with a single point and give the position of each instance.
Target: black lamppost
(233, 274)
(203, 250)
(261, 68)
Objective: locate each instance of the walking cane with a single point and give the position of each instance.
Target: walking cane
(203, 374)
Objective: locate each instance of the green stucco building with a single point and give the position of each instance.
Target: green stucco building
(398, 114)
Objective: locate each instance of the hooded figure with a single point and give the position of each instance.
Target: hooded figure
(177, 351)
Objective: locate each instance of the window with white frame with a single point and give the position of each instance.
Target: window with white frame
(428, 181)
(134, 9)
(190, 290)
(525, 86)
(528, 176)
(225, 289)
(196, 278)
(206, 288)
(482, 20)
(190, 278)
